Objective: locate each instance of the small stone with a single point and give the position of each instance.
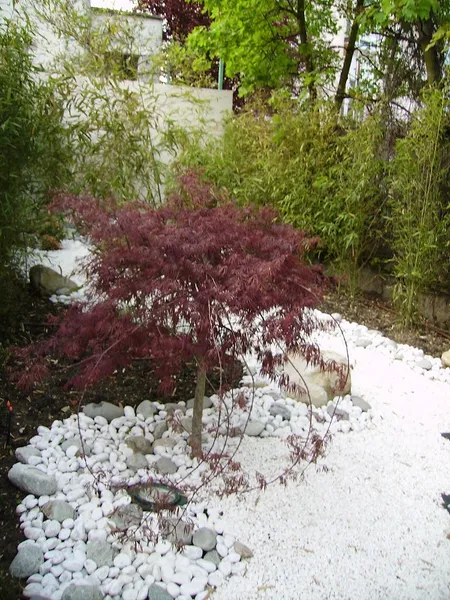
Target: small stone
(146, 409)
(363, 342)
(280, 409)
(213, 556)
(103, 409)
(165, 466)
(254, 428)
(27, 561)
(156, 592)
(82, 592)
(243, 550)
(424, 363)
(192, 552)
(360, 403)
(32, 480)
(102, 553)
(25, 452)
(58, 510)
(205, 538)
(122, 560)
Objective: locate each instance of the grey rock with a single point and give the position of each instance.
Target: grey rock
(75, 441)
(207, 402)
(102, 553)
(280, 409)
(362, 404)
(213, 556)
(82, 592)
(314, 395)
(23, 454)
(156, 592)
(177, 532)
(424, 363)
(205, 538)
(26, 562)
(167, 442)
(31, 480)
(146, 409)
(243, 550)
(363, 342)
(139, 444)
(331, 382)
(160, 428)
(137, 461)
(127, 516)
(58, 510)
(165, 466)
(171, 407)
(254, 428)
(103, 409)
(186, 423)
(48, 282)
(337, 411)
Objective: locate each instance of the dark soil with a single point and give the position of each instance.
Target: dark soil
(136, 383)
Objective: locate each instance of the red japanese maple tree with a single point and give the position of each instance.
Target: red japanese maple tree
(198, 279)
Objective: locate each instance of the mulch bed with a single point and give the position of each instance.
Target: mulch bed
(50, 401)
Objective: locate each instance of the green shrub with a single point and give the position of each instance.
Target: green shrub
(32, 150)
(321, 176)
(419, 205)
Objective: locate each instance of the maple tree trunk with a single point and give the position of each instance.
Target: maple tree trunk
(196, 436)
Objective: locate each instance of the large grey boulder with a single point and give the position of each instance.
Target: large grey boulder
(24, 453)
(146, 409)
(300, 372)
(58, 510)
(32, 480)
(445, 358)
(103, 409)
(207, 402)
(47, 282)
(139, 444)
(102, 553)
(27, 561)
(254, 428)
(82, 592)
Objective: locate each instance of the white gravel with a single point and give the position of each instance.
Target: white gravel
(366, 522)
(371, 525)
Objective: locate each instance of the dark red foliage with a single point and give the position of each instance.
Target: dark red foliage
(197, 279)
(181, 17)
